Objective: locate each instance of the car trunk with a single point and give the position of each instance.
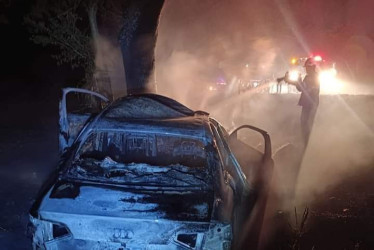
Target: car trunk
(112, 216)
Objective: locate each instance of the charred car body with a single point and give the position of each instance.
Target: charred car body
(148, 173)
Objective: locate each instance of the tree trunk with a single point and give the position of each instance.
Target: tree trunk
(138, 40)
(100, 79)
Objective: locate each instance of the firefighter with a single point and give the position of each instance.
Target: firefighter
(309, 99)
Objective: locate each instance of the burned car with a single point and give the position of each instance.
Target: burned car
(146, 172)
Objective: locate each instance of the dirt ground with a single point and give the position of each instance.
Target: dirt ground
(341, 218)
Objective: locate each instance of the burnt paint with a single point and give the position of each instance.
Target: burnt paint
(179, 206)
(172, 205)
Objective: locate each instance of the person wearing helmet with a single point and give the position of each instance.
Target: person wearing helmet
(309, 98)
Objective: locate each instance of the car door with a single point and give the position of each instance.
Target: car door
(77, 107)
(236, 179)
(252, 148)
(257, 165)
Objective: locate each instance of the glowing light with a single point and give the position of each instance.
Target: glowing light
(293, 75)
(327, 75)
(211, 88)
(317, 58)
(329, 82)
(293, 61)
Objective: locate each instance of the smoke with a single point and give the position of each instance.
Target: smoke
(202, 41)
(110, 75)
(340, 147)
(339, 153)
(201, 44)
(341, 144)
(181, 78)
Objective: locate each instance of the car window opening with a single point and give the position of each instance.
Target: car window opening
(141, 158)
(152, 149)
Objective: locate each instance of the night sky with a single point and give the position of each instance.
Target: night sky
(270, 32)
(223, 30)
(20, 57)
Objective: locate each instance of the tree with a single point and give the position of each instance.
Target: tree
(71, 28)
(58, 24)
(138, 37)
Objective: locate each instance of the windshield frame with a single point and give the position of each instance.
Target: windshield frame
(201, 185)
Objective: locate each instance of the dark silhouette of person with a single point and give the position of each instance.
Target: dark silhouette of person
(309, 98)
(279, 85)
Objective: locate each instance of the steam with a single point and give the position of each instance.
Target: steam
(341, 144)
(181, 77)
(110, 75)
(203, 40)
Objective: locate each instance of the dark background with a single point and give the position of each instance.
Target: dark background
(30, 84)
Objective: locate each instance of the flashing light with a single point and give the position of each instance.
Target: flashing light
(317, 58)
(327, 75)
(293, 61)
(294, 75)
(329, 83)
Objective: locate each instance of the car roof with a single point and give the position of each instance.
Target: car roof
(147, 106)
(155, 114)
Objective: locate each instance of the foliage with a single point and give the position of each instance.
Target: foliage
(64, 25)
